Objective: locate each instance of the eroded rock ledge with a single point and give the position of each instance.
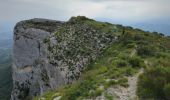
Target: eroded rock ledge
(48, 54)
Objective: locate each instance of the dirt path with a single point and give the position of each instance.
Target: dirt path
(129, 93)
(132, 81)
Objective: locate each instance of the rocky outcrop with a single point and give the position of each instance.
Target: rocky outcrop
(48, 54)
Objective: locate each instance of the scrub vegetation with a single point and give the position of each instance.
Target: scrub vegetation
(134, 49)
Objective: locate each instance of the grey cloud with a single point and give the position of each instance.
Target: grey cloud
(119, 10)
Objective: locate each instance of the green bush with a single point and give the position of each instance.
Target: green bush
(132, 45)
(108, 96)
(129, 71)
(109, 83)
(78, 90)
(127, 38)
(145, 51)
(98, 92)
(121, 63)
(155, 84)
(167, 91)
(135, 62)
(46, 40)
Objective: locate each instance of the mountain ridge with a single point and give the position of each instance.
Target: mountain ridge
(40, 37)
(49, 55)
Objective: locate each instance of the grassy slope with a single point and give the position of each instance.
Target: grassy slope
(117, 61)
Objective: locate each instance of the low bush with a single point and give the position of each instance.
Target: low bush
(145, 51)
(135, 62)
(108, 96)
(155, 84)
(121, 63)
(167, 91)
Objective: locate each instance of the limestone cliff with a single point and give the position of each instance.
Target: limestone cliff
(48, 54)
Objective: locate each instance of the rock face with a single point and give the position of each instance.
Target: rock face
(48, 54)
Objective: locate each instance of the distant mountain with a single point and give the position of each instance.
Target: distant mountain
(158, 25)
(5, 35)
(162, 28)
(5, 40)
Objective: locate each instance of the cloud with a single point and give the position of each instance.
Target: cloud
(120, 10)
(135, 9)
(17, 9)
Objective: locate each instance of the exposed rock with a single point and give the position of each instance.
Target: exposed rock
(57, 98)
(48, 54)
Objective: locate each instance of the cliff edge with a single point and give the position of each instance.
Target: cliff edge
(48, 54)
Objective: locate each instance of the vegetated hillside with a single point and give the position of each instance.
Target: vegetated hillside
(135, 53)
(49, 54)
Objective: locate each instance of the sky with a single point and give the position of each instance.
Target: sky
(153, 15)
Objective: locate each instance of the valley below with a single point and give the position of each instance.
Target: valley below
(5, 68)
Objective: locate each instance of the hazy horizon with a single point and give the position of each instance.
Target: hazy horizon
(150, 15)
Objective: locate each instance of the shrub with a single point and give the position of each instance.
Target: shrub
(121, 63)
(155, 83)
(132, 45)
(138, 37)
(109, 83)
(123, 80)
(145, 51)
(108, 96)
(98, 92)
(127, 38)
(129, 71)
(46, 40)
(135, 62)
(167, 91)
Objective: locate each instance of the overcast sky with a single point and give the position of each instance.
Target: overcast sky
(116, 11)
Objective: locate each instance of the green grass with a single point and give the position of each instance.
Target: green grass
(117, 62)
(154, 83)
(108, 97)
(107, 66)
